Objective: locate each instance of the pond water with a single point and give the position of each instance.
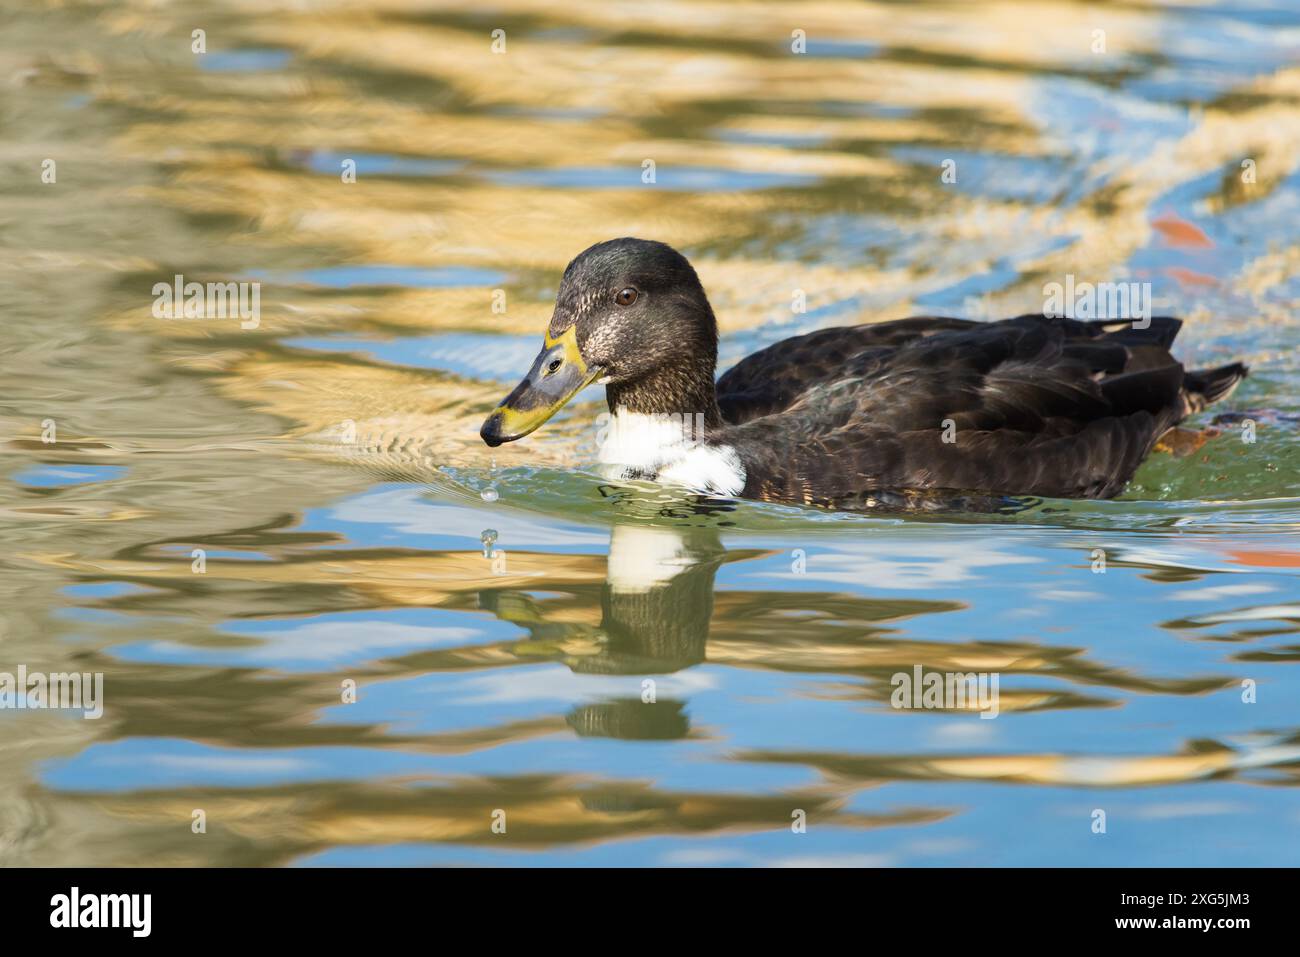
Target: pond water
(335, 623)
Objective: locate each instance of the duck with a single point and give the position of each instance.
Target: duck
(894, 413)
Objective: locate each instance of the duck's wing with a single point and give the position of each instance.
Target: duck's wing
(1031, 405)
(771, 379)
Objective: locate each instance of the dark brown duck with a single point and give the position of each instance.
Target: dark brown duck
(853, 416)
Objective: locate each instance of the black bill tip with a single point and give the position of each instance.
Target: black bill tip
(491, 431)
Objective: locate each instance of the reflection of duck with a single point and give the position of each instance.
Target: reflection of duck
(658, 598)
(656, 606)
(631, 719)
(1031, 405)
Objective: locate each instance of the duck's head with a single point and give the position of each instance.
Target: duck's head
(631, 314)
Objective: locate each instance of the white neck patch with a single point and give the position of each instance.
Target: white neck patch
(670, 449)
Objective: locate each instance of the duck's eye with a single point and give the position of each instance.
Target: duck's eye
(550, 369)
(626, 296)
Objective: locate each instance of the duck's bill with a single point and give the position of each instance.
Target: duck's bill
(543, 392)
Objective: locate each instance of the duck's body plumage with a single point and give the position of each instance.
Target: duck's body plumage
(887, 413)
(1031, 405)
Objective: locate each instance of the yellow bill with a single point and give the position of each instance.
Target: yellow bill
(558, 374)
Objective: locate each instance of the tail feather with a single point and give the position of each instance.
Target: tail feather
(1202, 387)
(1156, 331)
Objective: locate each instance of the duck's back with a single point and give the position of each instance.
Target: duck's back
(1031, 405)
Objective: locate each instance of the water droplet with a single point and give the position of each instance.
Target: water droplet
(489, 495)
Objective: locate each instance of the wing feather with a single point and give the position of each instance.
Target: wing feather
(1030, 405)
